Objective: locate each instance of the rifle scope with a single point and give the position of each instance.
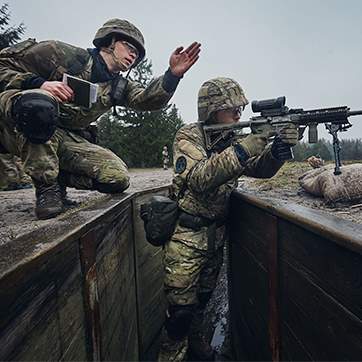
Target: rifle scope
(265, 104)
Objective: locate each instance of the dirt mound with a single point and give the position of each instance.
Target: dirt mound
(285, 186)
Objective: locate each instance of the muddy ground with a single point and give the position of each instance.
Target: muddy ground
(17, 207)
(17, 214)
(285, 186)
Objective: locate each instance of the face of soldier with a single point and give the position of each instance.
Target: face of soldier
(126, 55)
(228, 116)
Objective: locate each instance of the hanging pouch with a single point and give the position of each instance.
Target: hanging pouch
(160, 216)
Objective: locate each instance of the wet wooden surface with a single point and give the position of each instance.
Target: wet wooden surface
(71, 293)
(319, 279)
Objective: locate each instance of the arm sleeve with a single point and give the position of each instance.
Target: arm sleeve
(26, 66)
(263, 166)
(203, 174)
(155, 96)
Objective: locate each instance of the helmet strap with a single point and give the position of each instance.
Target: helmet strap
(110, 50)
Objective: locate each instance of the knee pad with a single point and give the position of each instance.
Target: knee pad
(36, 116)
(179, 320)
(112, 187)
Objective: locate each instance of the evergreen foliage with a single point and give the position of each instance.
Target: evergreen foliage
(9, 35)
(138, 137)
(351, 149)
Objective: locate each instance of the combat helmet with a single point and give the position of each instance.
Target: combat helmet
(218, 94)
(128, 31)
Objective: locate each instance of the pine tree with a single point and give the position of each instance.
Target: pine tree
(9, 35)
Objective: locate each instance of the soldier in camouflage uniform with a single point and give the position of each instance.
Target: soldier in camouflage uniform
(165, 158)
(202, 183)
(39, 122)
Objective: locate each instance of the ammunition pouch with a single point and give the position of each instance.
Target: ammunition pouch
(160, 217)
(36, 116)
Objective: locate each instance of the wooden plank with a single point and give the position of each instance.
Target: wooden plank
(35, 307)
(250, 304)
(325, 327)
(149, 275)
(116, 286)
(336, 270)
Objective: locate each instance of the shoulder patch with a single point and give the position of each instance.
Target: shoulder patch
(180, 165)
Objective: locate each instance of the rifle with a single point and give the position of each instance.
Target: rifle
(274, 115)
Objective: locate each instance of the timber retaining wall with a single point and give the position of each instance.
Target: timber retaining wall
(91, 290)
(295, 283)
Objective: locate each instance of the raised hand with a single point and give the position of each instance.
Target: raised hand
(182, 60)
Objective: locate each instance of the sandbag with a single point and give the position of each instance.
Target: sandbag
(346, 187)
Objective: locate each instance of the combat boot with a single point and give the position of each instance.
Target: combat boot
(65, 200)
(62, 180)
(199, 347)
(48, 200)
(171, 350)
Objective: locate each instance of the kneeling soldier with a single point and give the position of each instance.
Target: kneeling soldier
(40, 122)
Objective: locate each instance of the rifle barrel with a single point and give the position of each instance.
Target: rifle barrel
(354, 113)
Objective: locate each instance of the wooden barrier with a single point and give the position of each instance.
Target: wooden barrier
(295, 283)
(89, 291)
(91, 288)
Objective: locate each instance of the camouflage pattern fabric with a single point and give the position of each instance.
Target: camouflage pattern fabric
(190, 268)
(211, 179)
(65, 150)
(12, 175)
(202, 183)
(218, 94)
(84, 161)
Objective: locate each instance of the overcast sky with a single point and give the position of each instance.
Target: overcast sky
(308, 50)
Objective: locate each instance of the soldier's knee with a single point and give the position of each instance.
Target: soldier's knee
(113, 187)
(178, 321)
(36, 114)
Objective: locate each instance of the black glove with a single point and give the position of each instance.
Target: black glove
(280, 150)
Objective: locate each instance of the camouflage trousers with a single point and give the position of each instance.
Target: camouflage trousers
(82, 162)
(191, 266)
(12, 175)
(192, 263)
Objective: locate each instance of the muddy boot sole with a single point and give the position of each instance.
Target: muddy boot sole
(44, 214)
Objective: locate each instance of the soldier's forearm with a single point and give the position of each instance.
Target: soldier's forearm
(263, 166)
(215, 171)
(153, 97)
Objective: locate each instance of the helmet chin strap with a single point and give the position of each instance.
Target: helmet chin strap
(110, 50)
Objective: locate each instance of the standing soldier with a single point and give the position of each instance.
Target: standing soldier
(202, 183)
(39, 122)
(165, 158)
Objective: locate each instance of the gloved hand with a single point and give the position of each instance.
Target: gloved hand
(252, 144)
(287, 137)
(289, 134)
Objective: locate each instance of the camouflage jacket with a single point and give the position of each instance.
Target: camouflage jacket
(204, 183)
(51, 59)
